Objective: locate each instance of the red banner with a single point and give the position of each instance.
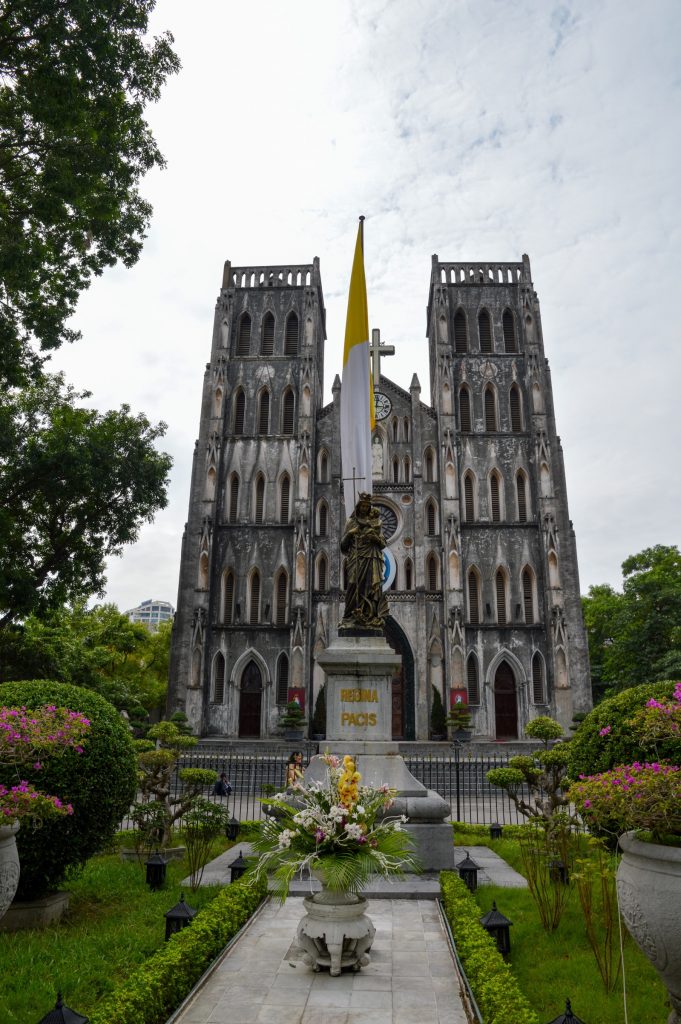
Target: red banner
(297, 693)
(456, 697)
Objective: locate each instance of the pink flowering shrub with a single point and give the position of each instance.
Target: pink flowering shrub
(642, 797)
(25, 801)
(659, 722)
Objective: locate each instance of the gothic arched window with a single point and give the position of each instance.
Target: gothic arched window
(485, 331)
(473, 597)
(282, 679)
(291, 335)
(516, 412)
(431, 519)
(239, 411)
(509, 331)
(264, 412)
(528, 594)
(284, 498)
(323, 519)
(472, 680)
(288, 407)
(465, 409)
(405, 427)
(495, 497)
(407, 469)
(429, 464)
(323, 467)
(219, 678)
(395, 429)
(396, 470)
(280, 597)
(322, 573)
(408, 575)
(267, 343)
(254, 598)
(490, 409)
(502, 604)
(431, 572)
(521, 490)
(460, 332)
(538, 689)
(243, 338)
(233, 498)
(259, 499)
(227, 597)
(469, 497)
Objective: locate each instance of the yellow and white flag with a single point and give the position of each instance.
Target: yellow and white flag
(357, 393)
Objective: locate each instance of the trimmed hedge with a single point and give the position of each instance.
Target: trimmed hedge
(495, 989)
(589, 753)
(155, 989)
(465, 828)
(100, 783)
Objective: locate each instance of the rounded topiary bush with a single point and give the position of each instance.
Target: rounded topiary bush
(100, 783)
(590, 753)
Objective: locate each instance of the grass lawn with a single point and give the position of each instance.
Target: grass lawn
(114, 923)
(553, 967)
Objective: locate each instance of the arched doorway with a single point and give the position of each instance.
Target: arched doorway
(402, 684)
(505, 703)
(250, 702)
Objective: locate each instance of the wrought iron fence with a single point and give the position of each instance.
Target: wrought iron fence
(459, 776)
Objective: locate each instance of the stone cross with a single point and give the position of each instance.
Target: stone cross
(377, 350)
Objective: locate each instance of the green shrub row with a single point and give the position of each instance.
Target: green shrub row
(495, 989)
(155, 989)
(462, 828)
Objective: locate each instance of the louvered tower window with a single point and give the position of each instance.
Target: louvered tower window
(243, 340)
(469, 503)
(490, 410)
(430, 466)
(460, 332)
(287, 413)
(407, 469)
(472, 680)
(465, 409)
(281, 592)
(500, 584)
(430, 519)
(538, 678)
(284, 499)
(322, 573)
(395, 429)
(407, 575)
(324, 469)
(282, 680)
(291, 335)
(264, 412)
(485, 331)
(259, 498)
(521, 486)
(228, 599)
(431, 572)
(405, 427)
(254, 607)
(509, 331)
(267, 347)
(473, 599)
(233, 498)
(239, 412)
(323, 519)
(528, 602)
(396, 470)
(219, 678)
(494, 495)
(516, 418)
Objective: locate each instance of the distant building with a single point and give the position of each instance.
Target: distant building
(150, 613)
(484, 593)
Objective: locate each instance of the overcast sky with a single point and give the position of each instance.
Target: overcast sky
(474, 129)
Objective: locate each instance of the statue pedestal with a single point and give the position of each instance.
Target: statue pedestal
(359, 673)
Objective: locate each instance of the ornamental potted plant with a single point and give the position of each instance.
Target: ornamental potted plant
(458, 723)
(641, 803)
(339, 831)
(438, 717)
(25, 738)
(292, 721)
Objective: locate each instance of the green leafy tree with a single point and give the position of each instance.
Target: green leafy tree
(76, 485)
(75, 79)
(635, 635)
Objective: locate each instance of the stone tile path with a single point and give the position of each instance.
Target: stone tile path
(262, 979)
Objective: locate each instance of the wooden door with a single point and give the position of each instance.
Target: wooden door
(505, 703)
(250, 703)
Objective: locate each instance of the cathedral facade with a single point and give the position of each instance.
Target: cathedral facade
(483, 585)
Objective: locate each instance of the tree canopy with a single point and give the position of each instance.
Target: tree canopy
(74, 80)
(635, 635)
(77, 485)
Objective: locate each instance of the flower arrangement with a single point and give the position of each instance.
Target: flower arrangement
(641, 797)
(338, 828)
(25, 737)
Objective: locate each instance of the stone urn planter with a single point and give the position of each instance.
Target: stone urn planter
(649, 892)
(9, 865)
(335, 931)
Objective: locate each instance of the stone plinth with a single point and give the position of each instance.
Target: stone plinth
(359, 673)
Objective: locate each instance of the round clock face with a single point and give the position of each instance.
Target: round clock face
(388, 520)
(382, 405)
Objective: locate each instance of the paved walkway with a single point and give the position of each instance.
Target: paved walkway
(262, 979)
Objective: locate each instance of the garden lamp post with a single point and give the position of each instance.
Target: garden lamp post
(568, 1017)
(178, 917)
(63, 1015)
(232, 828)
(156, 871)
(498, 926)
(495, 831)
(237, 868)
(468, 872)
